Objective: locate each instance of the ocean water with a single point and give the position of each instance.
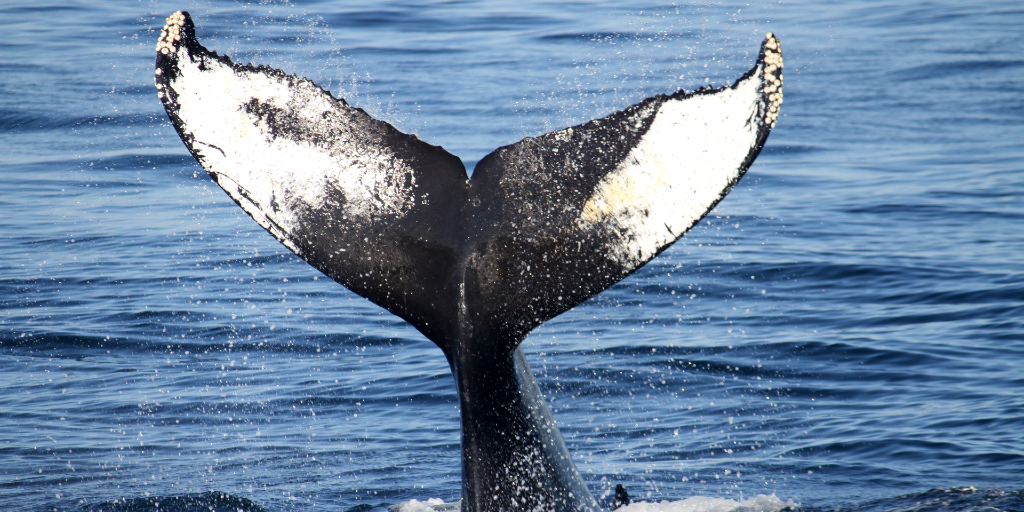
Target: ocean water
(844, 332)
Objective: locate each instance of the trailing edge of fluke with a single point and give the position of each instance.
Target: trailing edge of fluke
(473, 264)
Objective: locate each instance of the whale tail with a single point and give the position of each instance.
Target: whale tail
(473, 264)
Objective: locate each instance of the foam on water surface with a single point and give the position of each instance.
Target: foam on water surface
(759, 503)
(431, 505)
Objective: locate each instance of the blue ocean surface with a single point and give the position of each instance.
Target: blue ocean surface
(844, 332)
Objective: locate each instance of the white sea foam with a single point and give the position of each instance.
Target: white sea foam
(759, 503)
(431, 505)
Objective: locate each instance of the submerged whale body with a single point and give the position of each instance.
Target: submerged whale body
(473, 264)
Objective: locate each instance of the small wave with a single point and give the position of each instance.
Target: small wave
(621, 36)
(951, 68)
(206, 502)
(955, 499)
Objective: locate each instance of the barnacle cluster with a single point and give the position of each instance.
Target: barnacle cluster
(773, 77)
(166, 45)
(171, 33)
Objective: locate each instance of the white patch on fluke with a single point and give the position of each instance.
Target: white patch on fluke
(273, 176)
(680, 169)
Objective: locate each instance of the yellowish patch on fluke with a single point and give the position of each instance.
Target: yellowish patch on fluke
(621, 191)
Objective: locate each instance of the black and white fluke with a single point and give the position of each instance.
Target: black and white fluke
(473, 264)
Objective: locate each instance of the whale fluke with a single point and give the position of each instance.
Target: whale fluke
(473, 264)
